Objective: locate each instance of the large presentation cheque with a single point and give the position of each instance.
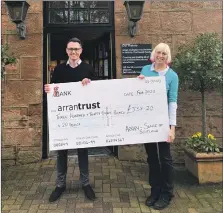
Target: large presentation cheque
(107, 113)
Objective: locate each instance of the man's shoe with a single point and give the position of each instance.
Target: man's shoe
(151, 200)
(162, 202)
(56, 194)
(89, 193)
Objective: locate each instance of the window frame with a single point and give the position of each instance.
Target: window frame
(47, 10)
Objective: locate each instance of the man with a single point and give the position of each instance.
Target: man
(74, 70)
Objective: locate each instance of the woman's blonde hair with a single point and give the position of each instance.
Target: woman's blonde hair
(164, 47)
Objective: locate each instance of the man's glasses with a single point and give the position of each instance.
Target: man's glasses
(73, 49)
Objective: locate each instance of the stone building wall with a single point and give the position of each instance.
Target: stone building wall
(22, 89)
(171, 22)
(174, 23)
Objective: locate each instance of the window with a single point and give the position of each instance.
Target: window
(79, 12)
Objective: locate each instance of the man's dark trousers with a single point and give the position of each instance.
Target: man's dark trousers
(62, 167)
(160, 168)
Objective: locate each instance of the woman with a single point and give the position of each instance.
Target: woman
(159, 156)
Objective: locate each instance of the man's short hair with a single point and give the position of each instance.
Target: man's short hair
(75, 40)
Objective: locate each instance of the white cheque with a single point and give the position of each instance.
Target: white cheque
(107, 113)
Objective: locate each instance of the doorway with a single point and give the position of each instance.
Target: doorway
(97, 51)
(93, 23)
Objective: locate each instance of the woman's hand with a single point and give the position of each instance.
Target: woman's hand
(171, 135)
(141, 76)
(85, 81)
(47, 88)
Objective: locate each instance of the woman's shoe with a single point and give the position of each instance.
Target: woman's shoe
(162, 202)
(151, 200)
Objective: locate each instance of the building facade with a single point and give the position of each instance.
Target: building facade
(24, 119)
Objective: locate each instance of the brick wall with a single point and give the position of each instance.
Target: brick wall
(171, 22)
(174, 23)
(22, 89)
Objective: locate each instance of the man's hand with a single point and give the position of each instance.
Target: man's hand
(47, 88)
(141, 76)
(171, 135)
(85, 81)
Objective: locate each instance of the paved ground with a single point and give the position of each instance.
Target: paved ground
(121, 187)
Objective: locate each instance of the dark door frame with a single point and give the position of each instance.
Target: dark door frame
(55, 29)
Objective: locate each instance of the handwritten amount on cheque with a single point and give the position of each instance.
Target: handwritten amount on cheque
(130, 110)
(73, 120)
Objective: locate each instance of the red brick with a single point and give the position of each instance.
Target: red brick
(12, 69)
(35, 115)
(161, 5)
(34, 23)
(35, 121)
(156, 39)
(215, 126)
(31, 68)
(176, 22)
(150, 23)
(194, 5)
(207, 21)
(12, 76)
(37, 137)
(121, 24)
(14, 113)
(31, 46)
(3, 8)
(187, 107)
(25, 137)
(213, 4)
(196, 95)
(28, 148)
(179, 40)
(7, 24)
(119, 7)
(23, 92)
(190, 125)
(35, 109)
(16, 124)
(35, 6)
(172, 22)
(8, 153)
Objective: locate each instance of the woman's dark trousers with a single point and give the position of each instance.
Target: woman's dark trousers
(160, 169)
